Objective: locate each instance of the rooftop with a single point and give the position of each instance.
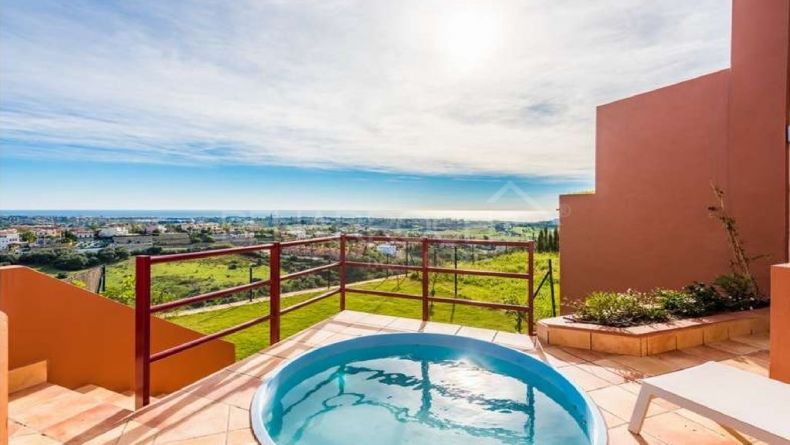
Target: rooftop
(215, 410)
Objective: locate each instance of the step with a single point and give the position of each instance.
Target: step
(63, 414)
(27, 376)
(105, 395)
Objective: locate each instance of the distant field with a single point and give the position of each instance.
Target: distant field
(470, 287)
(183, 278)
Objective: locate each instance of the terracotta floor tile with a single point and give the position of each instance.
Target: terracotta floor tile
(406, 324)
(185, 416)
(634, 387)
(620, 369)
(332, 325)
(620, 402)
(48, 413)
(433, 327)
(707, 423)
(35, 395)
(288, 349)
(239, 419)
(33, 439)
(241, 437)
(360, 330)
(87, 424)
(621, 436)
(212, 439)
(558, 358)
(317, 336)
(586, 354)
(228, 387)
(350, 316)
(584, 379)
(675, 429)
(733, 347)
(137, 434)
(109, 437)
(258, 365)
(759, 341)
(334, 338)
(677, 360)
(611, 420)
(745, 363)
(376, 320)
(478, 333)
(708, 354)
(603, 373)
(514, 340)
(648, 365)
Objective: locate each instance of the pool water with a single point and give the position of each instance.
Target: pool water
(420, 394)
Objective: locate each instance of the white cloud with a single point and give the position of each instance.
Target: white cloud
(377, 85)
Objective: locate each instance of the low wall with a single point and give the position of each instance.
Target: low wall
(653, 338)
(3, 379)
(89, 339)
(780, 319)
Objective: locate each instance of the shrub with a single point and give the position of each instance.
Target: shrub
(708, 298)
(680, 303)
(620, 309)
(739, 292)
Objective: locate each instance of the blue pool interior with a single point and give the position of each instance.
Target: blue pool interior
(420, 389)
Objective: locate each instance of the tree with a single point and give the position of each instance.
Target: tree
(27, 236)
(69, 237)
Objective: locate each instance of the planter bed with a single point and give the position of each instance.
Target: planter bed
(653, 338)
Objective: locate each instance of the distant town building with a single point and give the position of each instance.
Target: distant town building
(297, 233)
(8, 238)
(82, 234)
(158, 228)
(172, 239)
(47, 232)
(387, 249)
(110, 232)
(133, 242)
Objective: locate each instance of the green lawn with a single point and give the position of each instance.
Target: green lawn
(470, 287)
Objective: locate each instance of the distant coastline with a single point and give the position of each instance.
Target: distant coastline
(468, 215)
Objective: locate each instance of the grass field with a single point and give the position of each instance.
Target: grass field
(184, 278)
(470, 287)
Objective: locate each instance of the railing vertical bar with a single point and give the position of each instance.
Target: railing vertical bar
(142, 341)
(531, 288)
(342, 271)
(274, 293)
(425, 254)
(551, 288)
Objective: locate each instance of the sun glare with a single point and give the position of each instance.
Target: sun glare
(467, 37)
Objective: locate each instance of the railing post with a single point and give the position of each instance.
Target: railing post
(425, 254)
(342, 271)
(142, 331)
(531, 288)
(274, 294)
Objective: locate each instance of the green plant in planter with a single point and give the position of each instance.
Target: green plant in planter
(622, 309)
(680, 303)
(739, 292)
(708, 298)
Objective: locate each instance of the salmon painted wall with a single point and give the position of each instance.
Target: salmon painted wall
(657, 153)
(780, 327)
(89, 339)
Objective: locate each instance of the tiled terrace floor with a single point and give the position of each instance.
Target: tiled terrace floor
(215, 409)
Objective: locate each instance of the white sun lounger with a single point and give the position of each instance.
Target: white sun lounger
(735, 399)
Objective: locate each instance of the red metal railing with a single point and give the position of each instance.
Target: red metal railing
(144, 310)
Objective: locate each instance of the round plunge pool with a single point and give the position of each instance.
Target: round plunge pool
(421, 389)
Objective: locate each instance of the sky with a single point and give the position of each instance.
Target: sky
(441, 105)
